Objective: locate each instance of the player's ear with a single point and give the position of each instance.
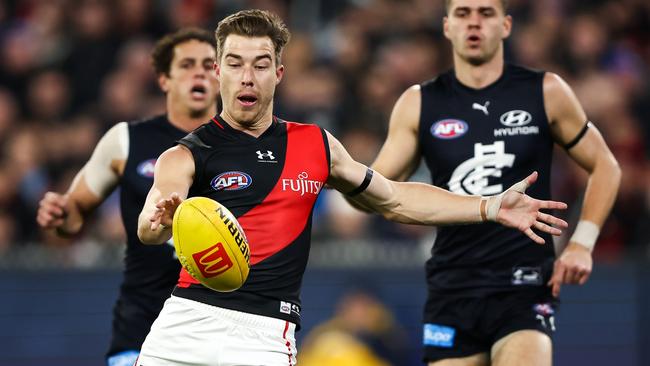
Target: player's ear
(279, 72)
(507, 26)
(216, 68)
(163, 82)
(445, 27)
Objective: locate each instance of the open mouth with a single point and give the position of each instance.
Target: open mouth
(473, 39)
(198, 91)
(247, 99)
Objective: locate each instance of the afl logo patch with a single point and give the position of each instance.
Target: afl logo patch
(231, 181)
(146, 168)
(449, 129)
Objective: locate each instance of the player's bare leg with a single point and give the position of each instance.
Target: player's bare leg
(480, 359)
(524, 347)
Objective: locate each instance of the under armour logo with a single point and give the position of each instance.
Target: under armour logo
(480, 107)
(266, 157)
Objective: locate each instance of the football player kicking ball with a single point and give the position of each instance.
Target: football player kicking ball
(275, 171)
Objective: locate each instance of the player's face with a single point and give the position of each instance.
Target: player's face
(476, 29)
(191, 85)
(248, 74)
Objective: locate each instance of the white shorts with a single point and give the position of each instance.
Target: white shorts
(192, 333)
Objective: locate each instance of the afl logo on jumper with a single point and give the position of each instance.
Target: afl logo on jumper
(447, 129)
(231, 181)
(146, 168)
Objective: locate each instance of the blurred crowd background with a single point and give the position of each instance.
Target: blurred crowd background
(70, 69)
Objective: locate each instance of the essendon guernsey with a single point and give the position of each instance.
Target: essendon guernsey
(270, 183)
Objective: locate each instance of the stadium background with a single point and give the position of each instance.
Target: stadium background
(70, 69)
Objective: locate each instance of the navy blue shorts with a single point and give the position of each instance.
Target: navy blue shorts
(461, 327)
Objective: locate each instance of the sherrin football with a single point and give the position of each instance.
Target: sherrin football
(211, 244)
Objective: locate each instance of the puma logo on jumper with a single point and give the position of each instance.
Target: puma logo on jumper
(482, 108)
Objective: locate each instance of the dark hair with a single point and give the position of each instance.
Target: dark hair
(254, 23)
(504, 5)
(163, 51)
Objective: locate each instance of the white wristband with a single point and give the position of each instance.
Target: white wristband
(489, 207)
(586, 234)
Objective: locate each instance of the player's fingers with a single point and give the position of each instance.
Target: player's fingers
(532, 178)
(55, 199)
(522, 185)
(54, 210)
(547, 229)
(557, 286)
(536, 238)
(581, 275)
(569, 275)
(155, 224)
(552, 205)
(43, 219)
(156, 214)
(552, 220)
(56, 223)
(558, 275)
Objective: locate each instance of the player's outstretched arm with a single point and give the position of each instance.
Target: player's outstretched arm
(418, 203)
(93, 183)
(586, 146)
(173, 177)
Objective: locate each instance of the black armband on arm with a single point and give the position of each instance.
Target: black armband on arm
(577, 139)
(364, 184)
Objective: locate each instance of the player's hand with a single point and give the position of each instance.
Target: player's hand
(164, 213)
(520, 211)
(572, 267)
(52, 211)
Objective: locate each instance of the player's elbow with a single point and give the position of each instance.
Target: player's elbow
(613, 172)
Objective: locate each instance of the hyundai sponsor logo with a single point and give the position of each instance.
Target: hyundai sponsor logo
(515, 118)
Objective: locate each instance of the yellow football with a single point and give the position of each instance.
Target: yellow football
(211, 244)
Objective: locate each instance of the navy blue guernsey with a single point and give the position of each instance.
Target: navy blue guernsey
(480, 142)
(270, 183)
(150, 271)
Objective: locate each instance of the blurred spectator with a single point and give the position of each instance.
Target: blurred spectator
(362, 332)
(48, 96)
(8, 113)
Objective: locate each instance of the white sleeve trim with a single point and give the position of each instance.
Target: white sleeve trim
(97, 172)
